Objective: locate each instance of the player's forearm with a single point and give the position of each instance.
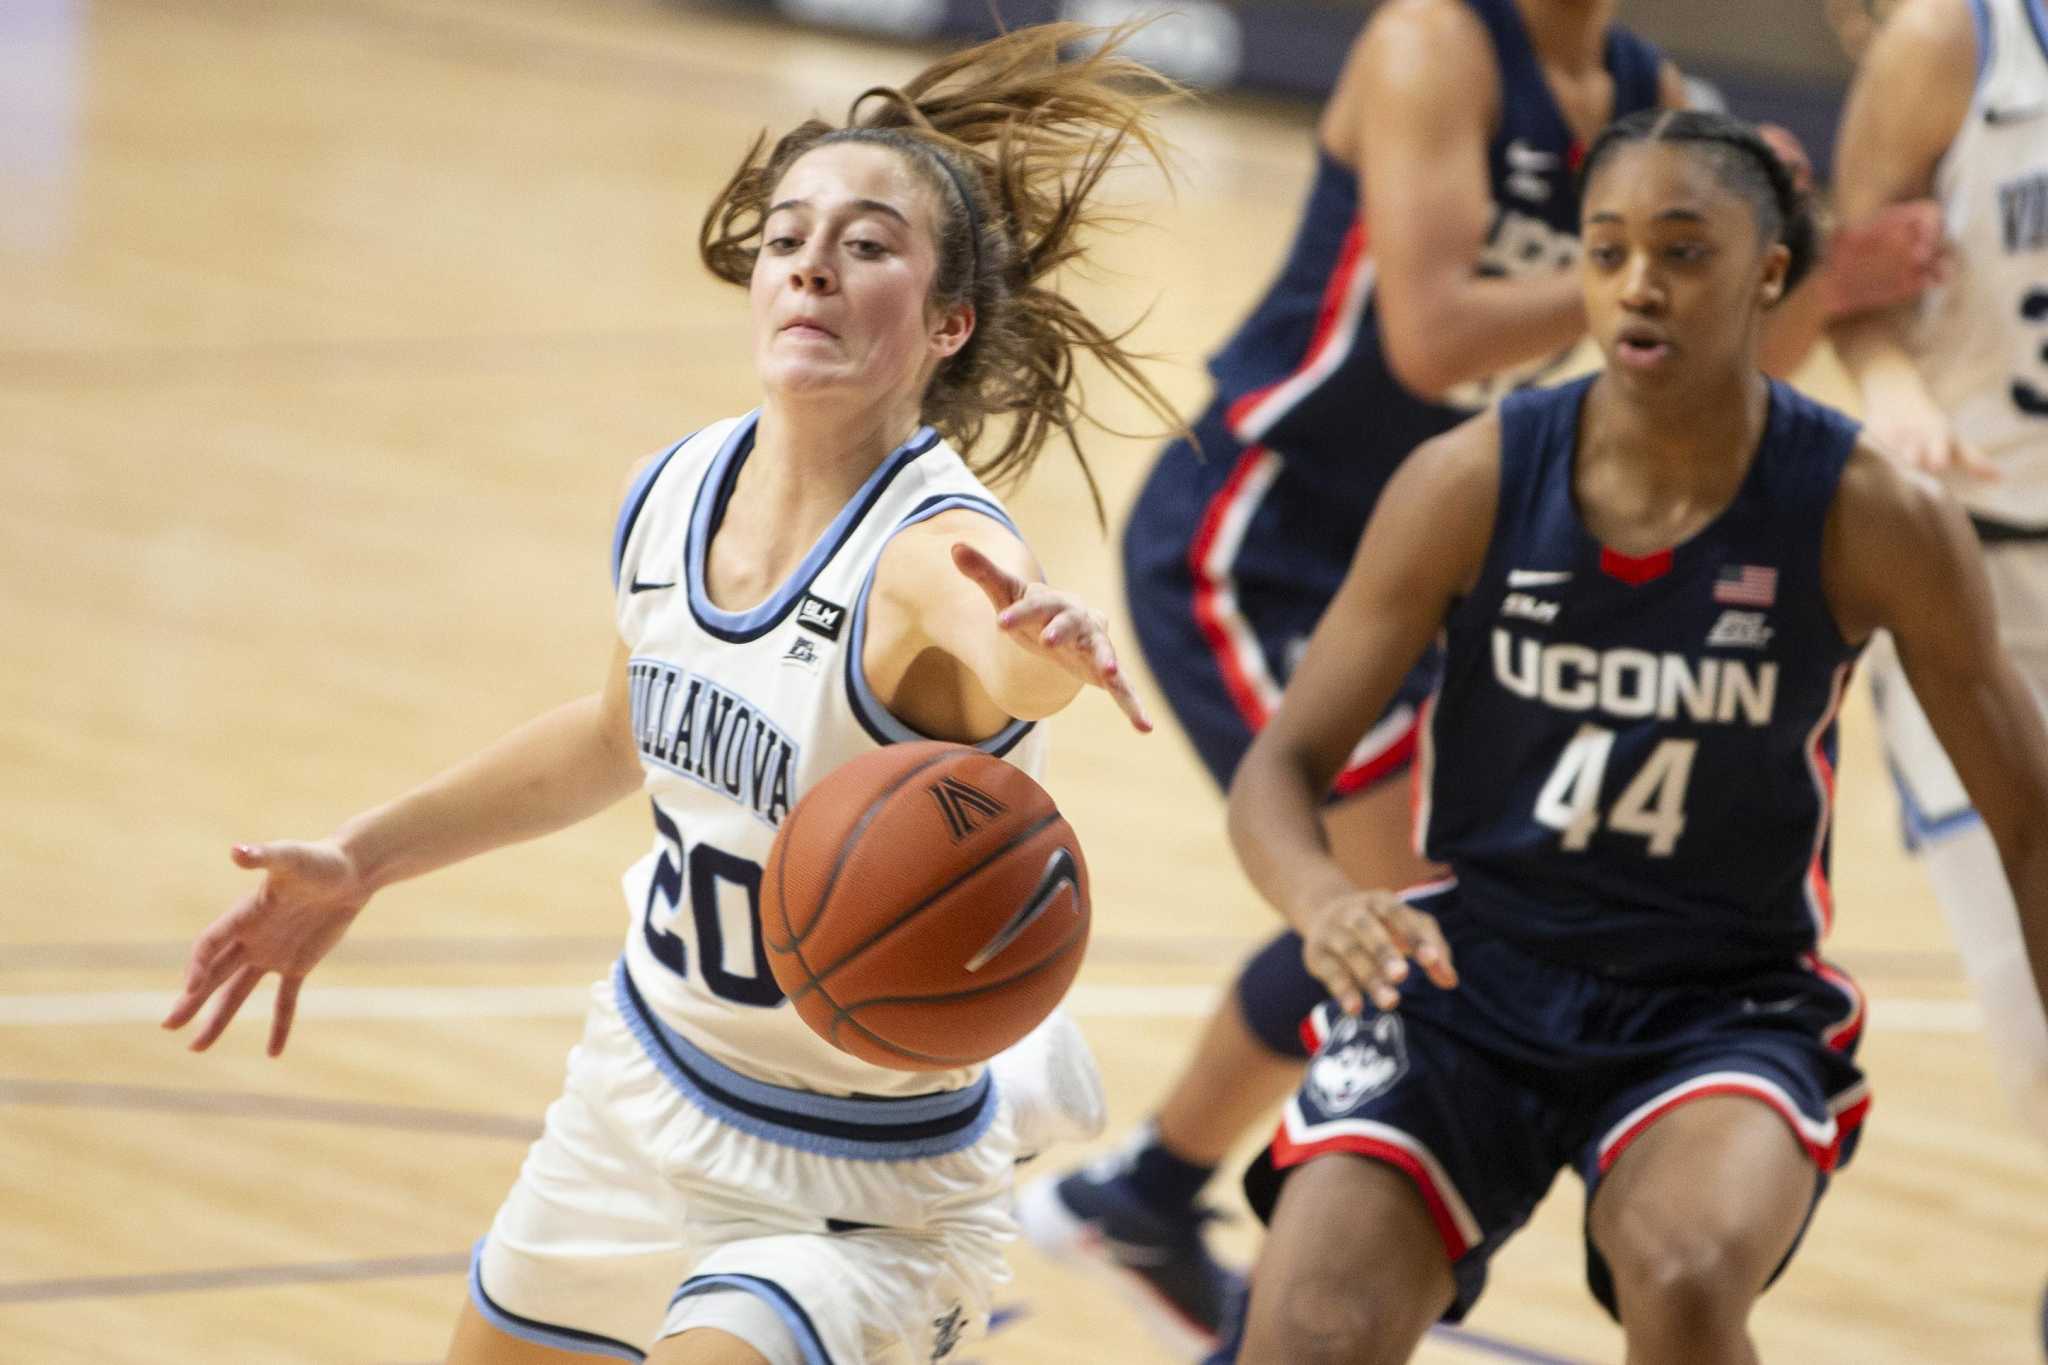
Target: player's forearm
(1277, 829)
(557, 769)
(1469, 326)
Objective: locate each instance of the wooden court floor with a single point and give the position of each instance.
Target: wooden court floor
(330, 327)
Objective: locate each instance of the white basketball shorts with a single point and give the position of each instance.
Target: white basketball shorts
(668, 1192)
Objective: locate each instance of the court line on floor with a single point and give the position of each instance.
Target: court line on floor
(33, 1009)
(259, 1105)
(231, 1277)
(1211, 950)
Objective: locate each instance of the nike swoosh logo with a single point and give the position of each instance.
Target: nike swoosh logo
(2019, 113)
(638, 586)
(1537, 578)
(1060, 873)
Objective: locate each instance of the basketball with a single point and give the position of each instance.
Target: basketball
(925, 906)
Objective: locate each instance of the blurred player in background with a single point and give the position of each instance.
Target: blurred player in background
(1652, 584)
(1429, 276)
(793, 587)
(1957, 386)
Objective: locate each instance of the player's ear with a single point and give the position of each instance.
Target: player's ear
(951, 328)
(1777, 260)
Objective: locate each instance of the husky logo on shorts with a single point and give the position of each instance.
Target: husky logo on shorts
(1359, 1062)
(946, 1332)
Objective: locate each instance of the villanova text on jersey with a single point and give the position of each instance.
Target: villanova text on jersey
(693, 727)
(1630, 765)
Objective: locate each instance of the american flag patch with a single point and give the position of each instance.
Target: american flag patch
(1746, 585)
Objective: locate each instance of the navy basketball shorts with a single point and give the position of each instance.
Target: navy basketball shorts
(1483, 1093)
(1228, 563)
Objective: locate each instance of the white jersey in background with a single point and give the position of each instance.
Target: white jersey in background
(736, 714)
(1981, 339)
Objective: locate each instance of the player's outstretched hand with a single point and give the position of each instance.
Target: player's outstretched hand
(311, 893)
(1904, 423)
(1360, 944)
(1056, 625)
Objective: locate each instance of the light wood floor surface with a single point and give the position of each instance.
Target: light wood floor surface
(330, 328)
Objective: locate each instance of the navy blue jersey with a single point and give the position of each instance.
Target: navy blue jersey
(1306, 374)
(1630, 765)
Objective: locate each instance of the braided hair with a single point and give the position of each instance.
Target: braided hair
(1742, 161)
(1012, 137)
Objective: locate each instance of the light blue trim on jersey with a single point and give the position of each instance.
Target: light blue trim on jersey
(629, 510)
(540, 1333)
(776, 1297)
(1980, 17)
(1920, 827)
(880, 722)
(710, 493)
(829, 1125)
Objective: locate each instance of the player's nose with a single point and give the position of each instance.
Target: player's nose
(1642, 290)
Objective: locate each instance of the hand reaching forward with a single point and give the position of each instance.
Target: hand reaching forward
(311, 893)
(1359, 945)
(1055, 625)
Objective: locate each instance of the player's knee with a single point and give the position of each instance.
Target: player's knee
(1686, 1280)
(1323, 1319)
(1275, 994)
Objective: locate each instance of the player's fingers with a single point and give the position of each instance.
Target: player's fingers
(204, 978)
(184, 1007)
(1335, 977)
(1069, 625)
(1035, 607)
(1975, 462)
(1113, 681)
(1000, 585)
(1373, 961)
(282, 1012)
(1430, 951)
(218, 940)
(230, 1004)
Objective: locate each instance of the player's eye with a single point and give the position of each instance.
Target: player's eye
(783, 243)
(1606, 255)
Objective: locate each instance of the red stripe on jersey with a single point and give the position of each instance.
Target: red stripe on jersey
(1823, 1157)
(1349, 253)
(1843, 1033)
(1635, 570)
(1208, 606)
(1388, 760)
(1287, 1152)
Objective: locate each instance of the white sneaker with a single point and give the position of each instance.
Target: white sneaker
(1051, 1085)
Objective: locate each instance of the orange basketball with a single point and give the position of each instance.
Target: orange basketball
(925, 906)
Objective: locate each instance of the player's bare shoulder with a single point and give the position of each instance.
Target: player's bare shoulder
(1893, 536)
(1407, 44)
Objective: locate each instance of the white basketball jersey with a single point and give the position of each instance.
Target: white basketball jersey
(736, 714)
(1981, 340)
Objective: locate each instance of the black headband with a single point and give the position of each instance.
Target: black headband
(973, 214)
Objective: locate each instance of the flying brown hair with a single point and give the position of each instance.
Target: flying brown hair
(1013, 137)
